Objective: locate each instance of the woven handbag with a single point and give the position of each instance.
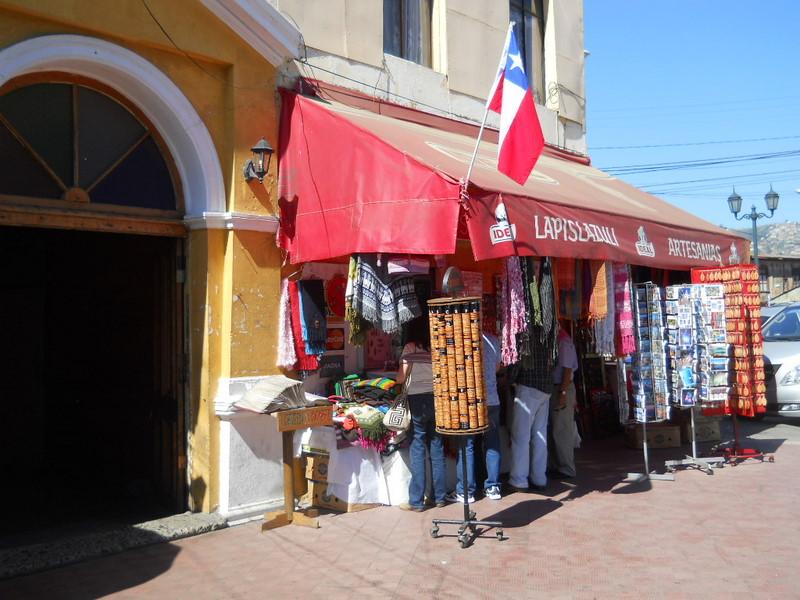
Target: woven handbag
(398, 418)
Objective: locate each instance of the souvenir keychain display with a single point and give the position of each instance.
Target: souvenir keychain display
(697, 356)
(458, 391)
(650, 383)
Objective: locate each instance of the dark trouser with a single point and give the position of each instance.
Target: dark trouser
(425, 439)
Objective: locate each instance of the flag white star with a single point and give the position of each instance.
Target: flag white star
(516, 62)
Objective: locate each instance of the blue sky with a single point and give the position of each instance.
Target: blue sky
(688, 72)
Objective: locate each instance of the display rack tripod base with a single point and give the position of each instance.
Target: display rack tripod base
(704, 464)
(468, 526)
(735, 454)
(647, 475)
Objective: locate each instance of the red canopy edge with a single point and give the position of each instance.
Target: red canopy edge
(353, 180)
(344, 190)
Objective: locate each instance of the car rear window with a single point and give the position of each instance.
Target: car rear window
(784, 326)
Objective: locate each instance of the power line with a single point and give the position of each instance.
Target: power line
(730, 177)
(693, 164)
(681, 144)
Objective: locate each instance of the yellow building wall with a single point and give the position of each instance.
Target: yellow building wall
(233, 280)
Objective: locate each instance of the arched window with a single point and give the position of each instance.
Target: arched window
(74, 141)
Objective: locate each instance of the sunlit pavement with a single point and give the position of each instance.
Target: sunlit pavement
(731, 534)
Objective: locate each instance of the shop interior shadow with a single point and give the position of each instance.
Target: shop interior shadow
(85, 445)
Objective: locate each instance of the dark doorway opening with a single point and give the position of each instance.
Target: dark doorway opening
(90, 394)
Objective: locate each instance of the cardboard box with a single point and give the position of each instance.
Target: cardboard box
(317, 467)
(659, 435)
(706, 429)
(319, 497)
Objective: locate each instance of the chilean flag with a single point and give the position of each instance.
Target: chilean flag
(521, 139)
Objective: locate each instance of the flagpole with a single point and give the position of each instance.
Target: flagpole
(503, 58)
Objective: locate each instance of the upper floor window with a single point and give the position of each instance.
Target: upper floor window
(528, 18)
(407, 29)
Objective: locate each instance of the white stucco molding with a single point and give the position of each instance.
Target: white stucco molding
(164, 104)
(233, 220)
(261, 25)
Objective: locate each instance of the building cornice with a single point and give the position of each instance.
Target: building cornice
(233, 221)
(261, 25)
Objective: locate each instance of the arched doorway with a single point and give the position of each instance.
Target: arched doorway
(91, 389)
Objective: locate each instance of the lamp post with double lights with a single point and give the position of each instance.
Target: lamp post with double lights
(735, 203)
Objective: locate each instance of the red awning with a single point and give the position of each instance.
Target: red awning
(353, 181)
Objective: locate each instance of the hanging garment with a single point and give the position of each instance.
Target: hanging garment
(581, 307)
(305, 362)
(624, 335)
(386, 303)
(312, 314)
(359, 326)
(286, 354)
(547, 301)
(565, 283)
(604, 327)
(533, 289)
(513, 309)
(598, 302)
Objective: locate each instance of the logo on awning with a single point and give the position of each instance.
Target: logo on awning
(644, 247)
(503, 231)
(734, 259)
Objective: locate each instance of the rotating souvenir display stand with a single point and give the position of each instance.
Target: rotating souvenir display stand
(650, 391)
(697, 353)
(459, 392)
(741, 290)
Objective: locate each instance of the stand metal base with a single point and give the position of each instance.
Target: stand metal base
(734, 456)
(467, 531)
(638, 477)
(703, 464)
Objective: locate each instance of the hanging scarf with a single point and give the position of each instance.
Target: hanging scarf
(513, 309)
(524, 337)
(598, 302)
(359, 327)
(312, 315)
(533, 288)
(405, 300)
(286, 354)
(625, 340)
(565, 283)
(604, 327)
(383, 302)
(549, 330)
(305, 362)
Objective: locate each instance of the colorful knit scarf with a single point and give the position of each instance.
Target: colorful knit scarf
(624, 338)
(604, 327)
(598, 301)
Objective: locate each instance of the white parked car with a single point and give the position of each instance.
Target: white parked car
(782, 360)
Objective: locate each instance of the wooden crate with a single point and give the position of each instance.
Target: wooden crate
(317, 467)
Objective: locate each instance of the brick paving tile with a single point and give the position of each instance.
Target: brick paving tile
(733, 534)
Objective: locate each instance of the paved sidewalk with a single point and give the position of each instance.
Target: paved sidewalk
(733, 534)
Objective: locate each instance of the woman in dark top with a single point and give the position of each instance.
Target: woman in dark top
(416, 373)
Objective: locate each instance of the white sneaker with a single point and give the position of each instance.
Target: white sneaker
(493, 492)
(456, 497)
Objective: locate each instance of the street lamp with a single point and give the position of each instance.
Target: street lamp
(735, 203)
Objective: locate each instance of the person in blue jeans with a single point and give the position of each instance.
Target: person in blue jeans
(491, 437)
(416, 373)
